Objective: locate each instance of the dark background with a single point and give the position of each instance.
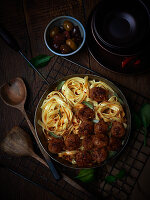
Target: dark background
(26, 20)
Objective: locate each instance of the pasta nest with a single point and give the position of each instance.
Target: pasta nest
(56, 113)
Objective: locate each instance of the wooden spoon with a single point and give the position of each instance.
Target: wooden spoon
(18, 143)
(14, 94)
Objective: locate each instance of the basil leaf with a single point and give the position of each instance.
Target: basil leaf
(88, 104)
(95, 121)
(86, 175)
(110, 125)
(120, 100)
(111, 153)
(121, 174)
(59, 113)
(59, 86)
(115, 94)
(145, 117)
(53, 134)
(145, 114)
(137, 122)
(110, 179)
(123, 141)
(41, 60)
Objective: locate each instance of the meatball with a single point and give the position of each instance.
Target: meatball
(117, 129)
(86, 113)
(83, 158)
(114, 144)
(98, 94)
(101, 127)
(55, 145)
(99, 155)
(87, 143)
(72, 142)
(85, 128)
(100, 140)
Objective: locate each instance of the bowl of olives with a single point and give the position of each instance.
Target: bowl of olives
(64, 36)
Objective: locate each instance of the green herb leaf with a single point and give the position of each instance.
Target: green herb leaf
(123, 141)
(115, 94)
(110, 179)
(120, 101)
(137, 122)
(88, 104)
(59, 86)
(41, 60)
(145, 116)
(121, 174)
(53, 134)
(111, 153)
(95, 121)
(110, 125)
(59, 113)
(86, 175)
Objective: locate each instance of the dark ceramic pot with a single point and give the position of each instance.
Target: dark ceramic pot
(121, 27)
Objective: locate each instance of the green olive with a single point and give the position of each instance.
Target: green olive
(68, 26)
(54, 31)
(71, 44)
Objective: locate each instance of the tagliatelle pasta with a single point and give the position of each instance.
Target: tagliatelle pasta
(101, 84)
(60, 116)
(76, 90)
(110, 111)
(56, 113)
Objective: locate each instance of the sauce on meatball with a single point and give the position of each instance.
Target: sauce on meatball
(86, 128)
(87, 143)
(100, 140)
(55, 145)
(101, 127)
(98, 94)
(114, 144)
(83, 158)
(86, 113)
(72, 142)
(117, 129)
(99, 155)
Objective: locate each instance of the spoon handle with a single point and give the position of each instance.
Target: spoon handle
(66, 178)
(47, 158)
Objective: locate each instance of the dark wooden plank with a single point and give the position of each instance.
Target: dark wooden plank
(12, 65)
(15, 188)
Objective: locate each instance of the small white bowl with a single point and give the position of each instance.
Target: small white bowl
(58, 21)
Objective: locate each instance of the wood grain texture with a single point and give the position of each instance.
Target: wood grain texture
(26, 20)
(15, 188)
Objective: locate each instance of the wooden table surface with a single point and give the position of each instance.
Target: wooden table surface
(26, 20)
